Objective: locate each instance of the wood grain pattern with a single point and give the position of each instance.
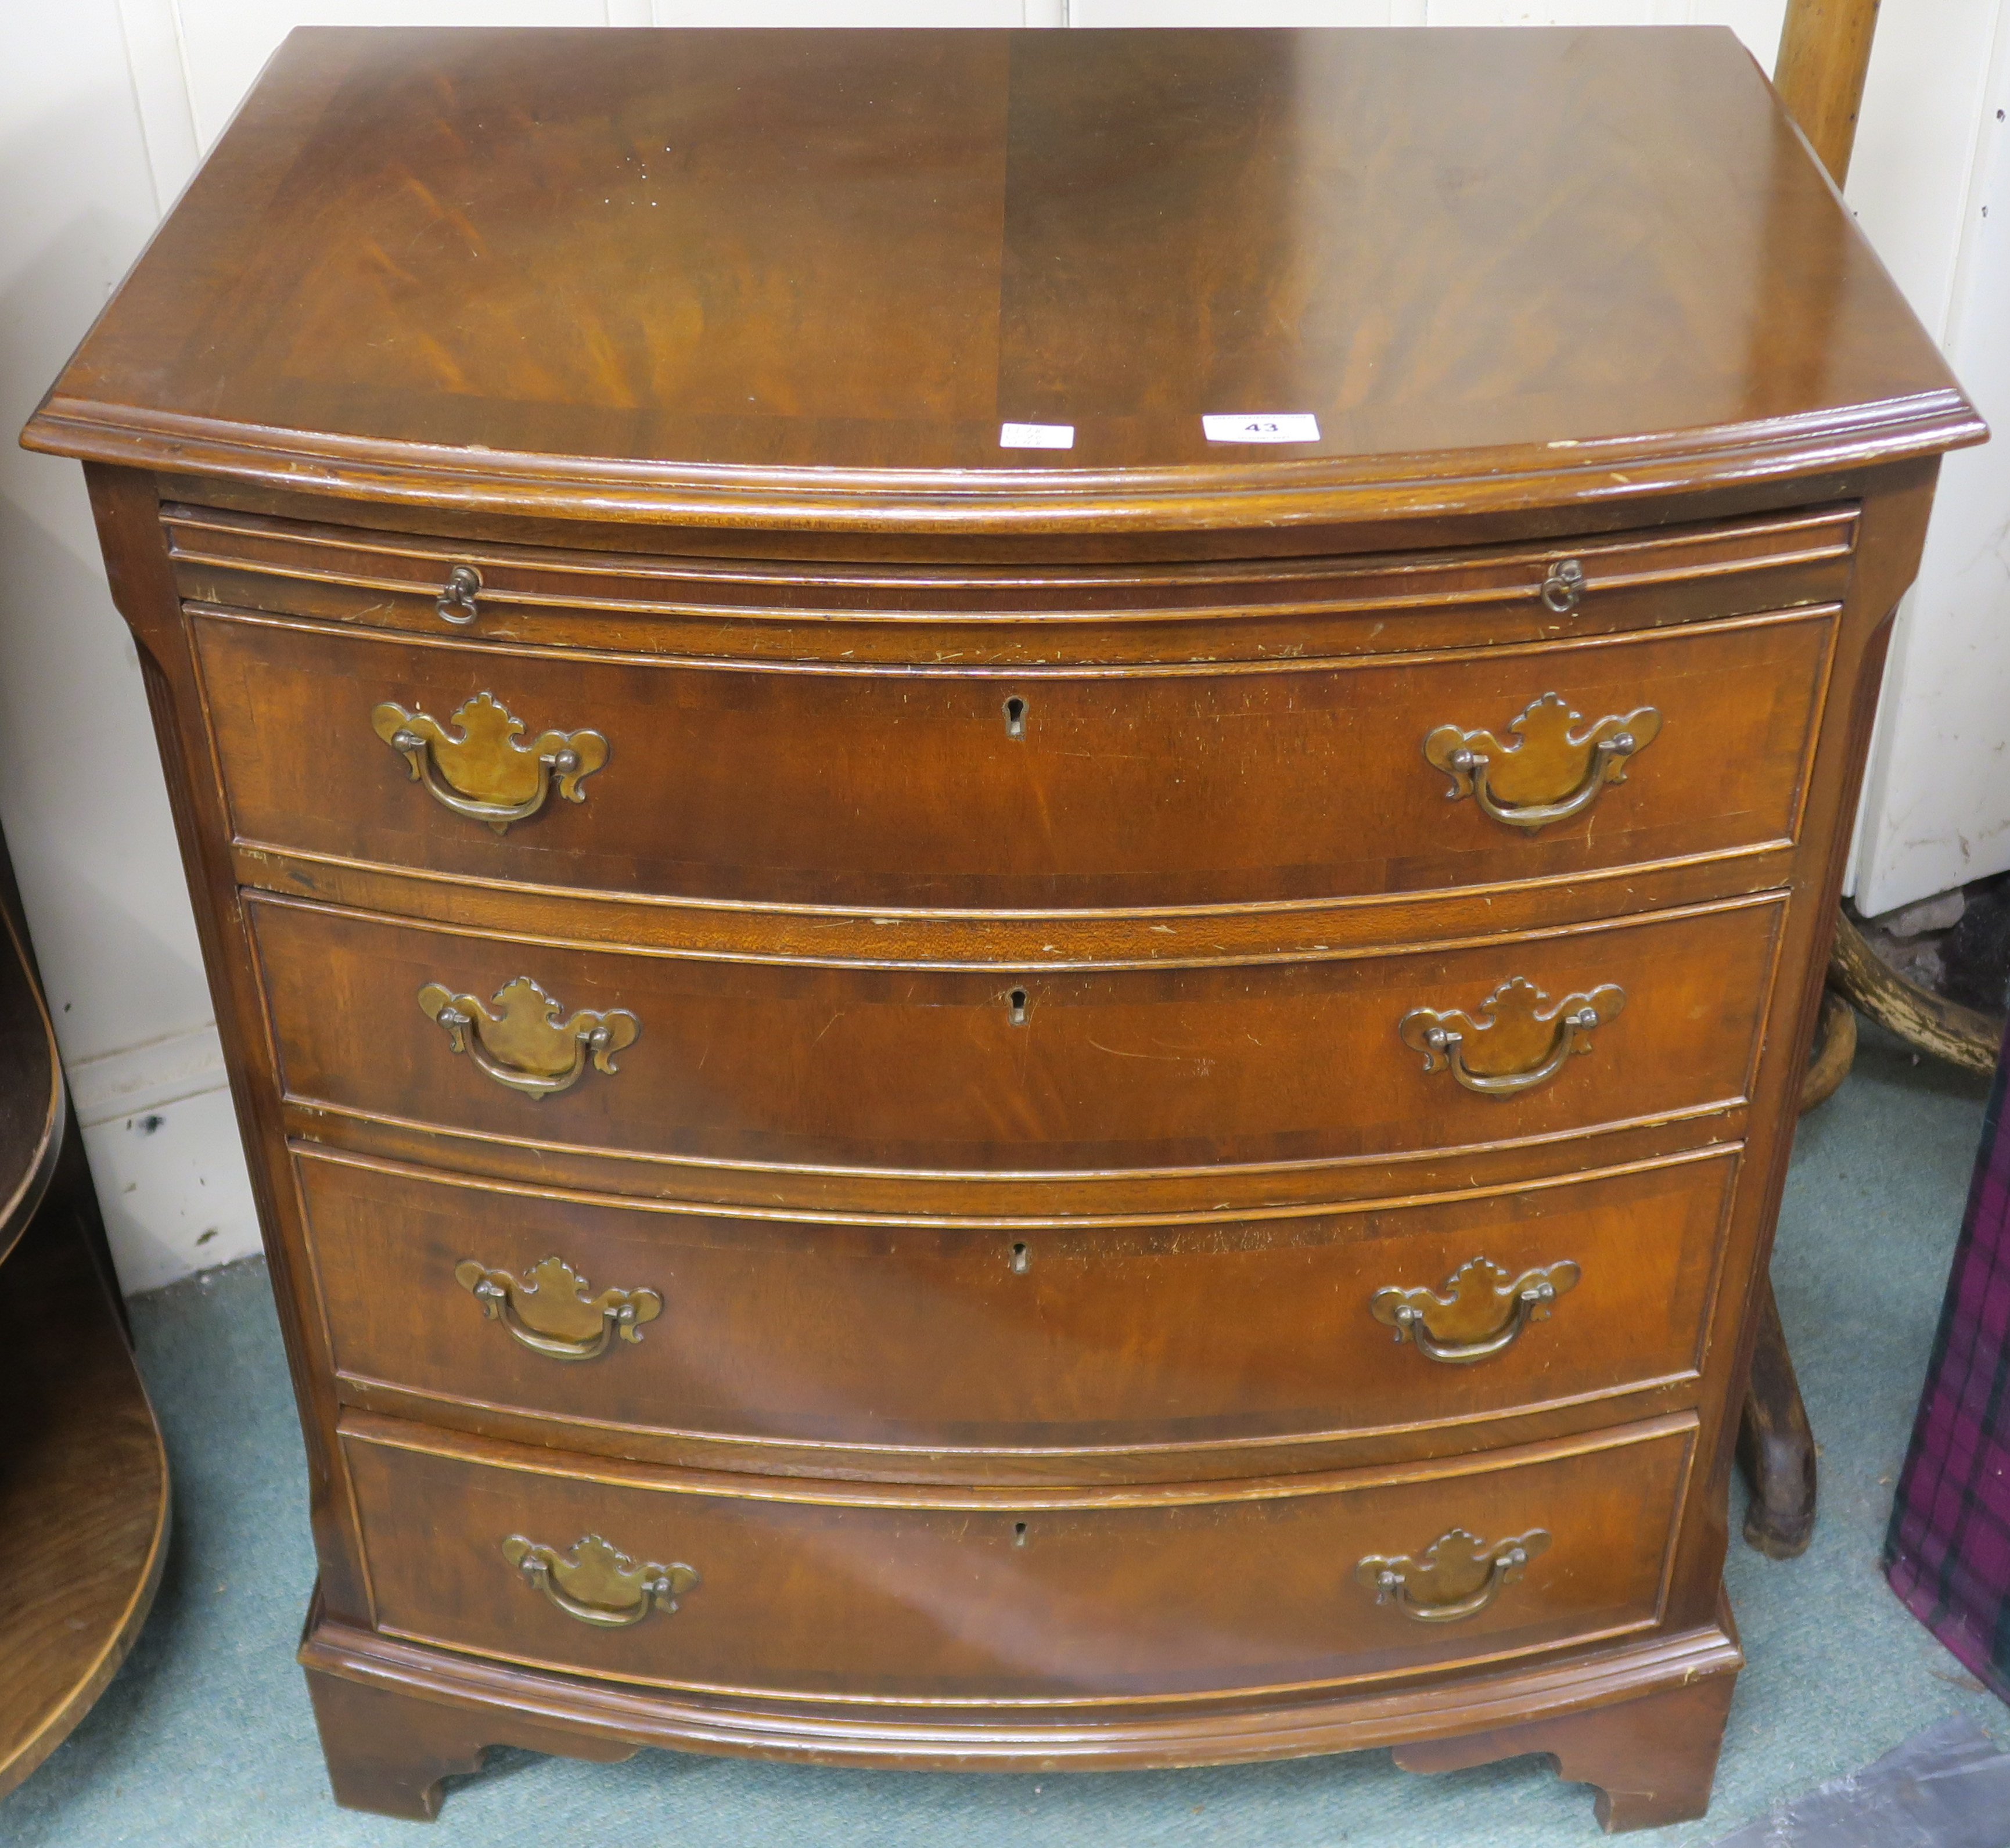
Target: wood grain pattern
(924, 1348)
(1151, 1069)
(1652, 1759)
(1153, 789)
(1824, 57)
(668, 302)
(84, 1484)
(1073, 1596)
(83, 1477)
(1035, 612)
(1114, 978)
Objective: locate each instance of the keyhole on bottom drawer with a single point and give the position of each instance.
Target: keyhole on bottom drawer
(1015, 717)
(1018, 1534)
(1021, 1258)
(1017, 998)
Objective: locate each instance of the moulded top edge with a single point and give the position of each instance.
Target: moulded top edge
(1334, 490)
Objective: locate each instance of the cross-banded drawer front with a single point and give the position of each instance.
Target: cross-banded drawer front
(616, 1321)
(1039, 791)
(791, 1587)
(982, 1070)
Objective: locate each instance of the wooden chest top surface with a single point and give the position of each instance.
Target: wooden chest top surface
(800, 278)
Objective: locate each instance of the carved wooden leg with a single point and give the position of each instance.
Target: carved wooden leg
(1652, 1759)
(1776, 1448)
(387, 1752)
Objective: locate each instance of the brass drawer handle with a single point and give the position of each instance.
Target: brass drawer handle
(1553, 774)
(1511, 1045)
(548, 1311)
(598, 1584)
(521, 1042)
(1481, 1314)
(484, 773)
(456, 603)
(1457, 1575)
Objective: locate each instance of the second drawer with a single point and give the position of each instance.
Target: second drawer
(628, 1326)
(962, 1070)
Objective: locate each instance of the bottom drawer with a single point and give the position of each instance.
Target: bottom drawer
(780, 1587)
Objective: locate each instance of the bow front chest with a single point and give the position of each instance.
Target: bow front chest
(1017, 847)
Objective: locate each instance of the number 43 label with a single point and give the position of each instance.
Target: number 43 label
(1267, 426)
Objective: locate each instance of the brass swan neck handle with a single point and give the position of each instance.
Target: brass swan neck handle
(1510, 1044)
(1482, 1312)
(548, 1311)
(481, 771)
(1552, 773)
(1456, 1577)
(520, 1039)
(598, 1583)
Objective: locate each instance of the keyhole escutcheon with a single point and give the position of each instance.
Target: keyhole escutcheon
(1022, 1257)
(1015, 717)
(1018, 999)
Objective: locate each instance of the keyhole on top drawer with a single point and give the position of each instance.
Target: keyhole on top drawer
(1018, 1534)
(1020, 1258)
(1015, 717)
(1017, 998)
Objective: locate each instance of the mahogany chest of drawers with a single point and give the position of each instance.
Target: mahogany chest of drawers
(923, 1101)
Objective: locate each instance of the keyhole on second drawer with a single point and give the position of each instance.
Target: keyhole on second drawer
(1021, 1258)
(1017, 998)
(1015, 717)
(1018, 1534)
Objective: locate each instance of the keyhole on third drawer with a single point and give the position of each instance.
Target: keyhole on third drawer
(1015, 717)
(1018, 1534)
(1020, 1258)
(1017, 998)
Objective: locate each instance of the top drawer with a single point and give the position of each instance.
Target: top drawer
(1041, 790)
(1001, 616)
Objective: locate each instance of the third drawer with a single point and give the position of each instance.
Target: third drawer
(674, 1334)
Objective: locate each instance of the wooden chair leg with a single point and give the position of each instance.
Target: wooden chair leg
(1776, 1448)
(388, 1752)
(1652, 1760)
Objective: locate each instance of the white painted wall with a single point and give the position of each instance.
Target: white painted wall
(105, 106)
(1933, 190)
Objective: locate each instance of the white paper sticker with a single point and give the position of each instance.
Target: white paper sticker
(1262, 426)
(1036, 436)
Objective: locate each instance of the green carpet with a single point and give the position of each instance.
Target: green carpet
(205, 1738)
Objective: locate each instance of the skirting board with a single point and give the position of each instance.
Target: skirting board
(166, 1157)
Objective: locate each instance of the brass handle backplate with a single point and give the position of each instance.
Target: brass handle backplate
(1457, 1575)
(1553, 772)
(519, 1039)
(484, 773)
(1511, 1045)
(548, 1311)
(1482, 1312)
(597, 1583)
